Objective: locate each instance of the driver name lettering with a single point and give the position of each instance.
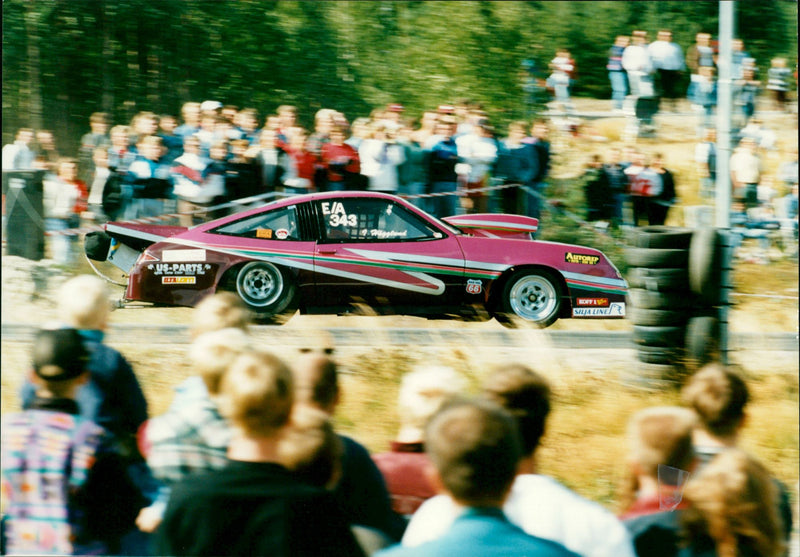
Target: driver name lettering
(186, 269)
(375, 233)
(582, 258)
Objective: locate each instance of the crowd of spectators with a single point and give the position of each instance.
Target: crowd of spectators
(246, 460)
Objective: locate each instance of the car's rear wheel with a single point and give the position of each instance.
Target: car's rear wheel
(269, 292)
(530, 298)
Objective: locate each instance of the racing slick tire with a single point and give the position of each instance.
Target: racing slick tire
(659, 280)
(529, 298)
(268, 292)
(659, 237)
(656, 258)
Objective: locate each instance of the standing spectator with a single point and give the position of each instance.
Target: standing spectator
(667, 60)
(70, 494)
(97, 137)
(597, 191)
(739, 59)
(705, 155)
(45, 147)
(360, 132)
(145, 123)
(718, 396)
(242, 178)
(561, 67)
(186, 174)
(341, 160)
(267, 510)
(413, 172)
(478, 149)
(632, 170)
(442, 175)
(660, 459)
(778, 82)
(422, 393)
(146, 183)
(272, 162)
(287, 120)
(660, 203)
(112, 396)
(105, 191)
(207, 133)
(191, 113)
(618, 183)
(380, 156)
(323, 122)
(745, 167)
(616, 73)
(517, 163)
(541, 144)
(173, 143)
(120, 155)
(302, 165)
(427, 127)
(636, 62)
(645, 186)
(703, 96)
(745, 93)
(70, 199)
(361, 491)
(538, 504)
(19, 155)
(700, 54)
(248, 124)
(732, 509)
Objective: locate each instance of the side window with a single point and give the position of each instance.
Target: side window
(280, 224)
(371, 220)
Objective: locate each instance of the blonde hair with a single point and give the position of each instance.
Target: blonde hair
(422, 392)
(735, 502)
(211, 353)
(83, 302)
(257, 393)
(310, 447)
(219, 311)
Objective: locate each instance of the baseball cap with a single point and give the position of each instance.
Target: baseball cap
(210, 105)
(59, 354)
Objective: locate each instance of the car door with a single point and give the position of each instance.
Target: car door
(378, 252)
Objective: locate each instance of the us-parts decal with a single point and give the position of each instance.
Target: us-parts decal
(185, 269)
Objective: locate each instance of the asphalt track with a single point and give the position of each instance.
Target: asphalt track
(384, 336)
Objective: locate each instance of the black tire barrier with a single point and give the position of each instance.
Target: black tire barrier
(659, 237)
(657, 317)
(702, 340)
(659, 280)
(656, 258)
(659, 335)
(653, 299)
(659, 355)
(705, 266)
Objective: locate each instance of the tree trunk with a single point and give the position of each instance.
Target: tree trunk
(32, 18)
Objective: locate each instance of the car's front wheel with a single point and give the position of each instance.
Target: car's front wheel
(530, 298)
(269, 292)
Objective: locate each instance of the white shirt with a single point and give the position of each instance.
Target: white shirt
(98, 185)
(379, 161)
(479, 152)
(541, 507)
(636, 59)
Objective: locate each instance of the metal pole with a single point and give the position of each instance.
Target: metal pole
(723, 185)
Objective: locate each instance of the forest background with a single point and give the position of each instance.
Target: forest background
(64, 59)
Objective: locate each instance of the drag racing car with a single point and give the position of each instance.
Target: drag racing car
(341, 252)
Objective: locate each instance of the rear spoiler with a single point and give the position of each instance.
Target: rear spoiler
(491, 225)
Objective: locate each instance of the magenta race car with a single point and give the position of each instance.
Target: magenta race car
(339, 252)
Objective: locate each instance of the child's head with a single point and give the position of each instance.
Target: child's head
(661, 436)
(168, 123)
(475, 448)
(211, 353)
(83, 302)
(60, 361)
(422, 393)
(256, 394)
(119, 136)
(68, 169)
(219, 311)
(150, 147)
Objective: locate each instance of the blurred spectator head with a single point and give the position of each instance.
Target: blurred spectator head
(664, 35)
(526, 395)
(119, 136)
(168, 123)
(360, 127)
(268, 138)
(257, 394)
(287, 115)
(734, 501)
(639, 37)
(214, 107)
(230, 112)
(317, 381)
(428, 121)
(83, 303)
(248, 119)
(218, 150)
(24, 135)
(211, 353)
(59, 362)
(100, 157)
(191, 113)
(310, 447)
(622, 40)
(475, 448)
(297, 138)
(68, 169)
(661, 436)
(145, 123)
(422, 393)
(338, 135)
(718, 395)
(98, 122)
(540, 129)
(150, 147)
(191, 144)
(703, 39)
(219, 311)
(778, 62)
(737, 45)
(45, 140)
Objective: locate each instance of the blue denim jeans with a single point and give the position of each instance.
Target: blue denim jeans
(619, 87)
(444, 205)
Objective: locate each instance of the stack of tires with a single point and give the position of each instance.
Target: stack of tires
(674, 294)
